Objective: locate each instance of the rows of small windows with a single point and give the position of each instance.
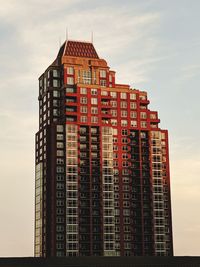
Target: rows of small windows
(51, 78)
(41, 145)
(114, 103)
(46, 107)
(86, 76)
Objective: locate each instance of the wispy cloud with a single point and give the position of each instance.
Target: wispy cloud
(151, 44)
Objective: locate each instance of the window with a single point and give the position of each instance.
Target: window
(55, 112)
(143, 124)
(124, 140)
(124, 123)
(113, 94)
(69, 118)
(103, 83)
(115, 147)
(56, 73)
(103, 73)
(133, 123)
(60, 153)
(93, 91)
(133, 105)
(143, 115)
(124, 132)
(94, 110)
(114, 112)
(70, 70)
(55, 103)
(83, 119)
(153, 116)
(113, 103)
(133, 114)
(94, 76)
(123, 104)
(124, 156)
(55, 83)
(60, 145)
(123, 95)
(123, 113)
(94, 119)
(70, 80)
(83, 91)
(83, 100)
(60, 137)
(94, 101)
(60, 169)
(84, 109)
(105, 93)
(70, 90)
(163, 135)
(60, 128)
(115, 140)
(115, 164)
(114, 122)
(110, 78)
(133, 96)
(87, 77)
(125, 164)
(124, 148)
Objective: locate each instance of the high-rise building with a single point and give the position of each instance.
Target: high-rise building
(102, 183)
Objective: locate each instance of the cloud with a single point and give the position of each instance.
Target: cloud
(147, 43)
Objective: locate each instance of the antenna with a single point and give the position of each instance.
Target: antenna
(92, 37)
(67, 34)
(59, 42)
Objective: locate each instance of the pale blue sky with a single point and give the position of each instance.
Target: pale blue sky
(154, 45)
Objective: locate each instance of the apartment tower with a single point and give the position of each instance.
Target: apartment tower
(102, 182)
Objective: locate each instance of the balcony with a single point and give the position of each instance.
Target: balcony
(106, 122)
(156, 120)
(144, 101)
(105, 104)
(71, 101)
(106, 97)
(105, 113)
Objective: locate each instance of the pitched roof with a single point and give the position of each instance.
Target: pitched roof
(80, 49)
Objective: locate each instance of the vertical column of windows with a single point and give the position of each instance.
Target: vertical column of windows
(166, 193)
(60, 191)
(108, 192)
(71, 190)
(136, 187)
(56, 105)
(38, 210)
(95, 187)
(103, 78)
(70, 75)
(85, 192)
(158, 194)
(146, 195)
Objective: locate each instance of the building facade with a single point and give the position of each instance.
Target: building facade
(102, 182)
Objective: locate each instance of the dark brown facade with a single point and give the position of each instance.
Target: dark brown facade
(102, 164)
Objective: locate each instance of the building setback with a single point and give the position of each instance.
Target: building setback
(102, 182)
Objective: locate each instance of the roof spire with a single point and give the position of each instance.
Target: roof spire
(67, 37)
(92, 37)
(59, 42)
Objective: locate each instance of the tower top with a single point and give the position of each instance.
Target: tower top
(78, 49)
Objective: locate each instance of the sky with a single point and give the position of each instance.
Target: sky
(153, 45)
